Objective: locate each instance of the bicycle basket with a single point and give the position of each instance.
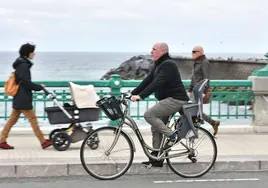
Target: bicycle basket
(111, 107)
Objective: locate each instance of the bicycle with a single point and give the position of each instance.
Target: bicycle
(188, 130)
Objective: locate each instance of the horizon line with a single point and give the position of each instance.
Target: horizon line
(171, 52)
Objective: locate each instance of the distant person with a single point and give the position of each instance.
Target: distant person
(165, 82)
(22, 101)
(201, 71)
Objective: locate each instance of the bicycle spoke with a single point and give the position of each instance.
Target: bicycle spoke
(198, 142)
(113, 160)
(199, 161)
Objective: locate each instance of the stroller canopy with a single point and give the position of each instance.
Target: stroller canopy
(84, 96)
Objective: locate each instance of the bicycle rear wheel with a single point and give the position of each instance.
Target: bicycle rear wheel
(202, 156)
(103, 164)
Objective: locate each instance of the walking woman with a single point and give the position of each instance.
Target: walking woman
(22, 101)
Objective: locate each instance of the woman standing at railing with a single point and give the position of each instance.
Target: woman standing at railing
(22, 101)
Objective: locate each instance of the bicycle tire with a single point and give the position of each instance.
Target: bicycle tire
(113, 176)
(210, 166)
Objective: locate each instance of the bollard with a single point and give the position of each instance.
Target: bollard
(260, 89)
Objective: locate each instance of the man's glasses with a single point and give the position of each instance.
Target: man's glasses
(195, 51)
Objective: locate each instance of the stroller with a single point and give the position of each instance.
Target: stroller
(83, 109)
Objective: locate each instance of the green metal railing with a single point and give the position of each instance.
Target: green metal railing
(230, 98)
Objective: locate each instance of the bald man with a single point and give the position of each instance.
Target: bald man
(201, 71)
(165, 82)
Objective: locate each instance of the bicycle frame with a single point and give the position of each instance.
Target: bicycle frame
(161, 152)
(187, 128)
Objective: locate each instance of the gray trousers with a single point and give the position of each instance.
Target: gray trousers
(208, 119)
(157, 116)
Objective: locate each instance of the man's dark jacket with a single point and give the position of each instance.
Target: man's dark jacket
(201, 71)
(164, 81)
(23, 99)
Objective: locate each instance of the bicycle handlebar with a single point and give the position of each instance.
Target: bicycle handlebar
(125, 96)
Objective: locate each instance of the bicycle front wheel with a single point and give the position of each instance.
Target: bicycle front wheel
(112, 158)
(200, 158)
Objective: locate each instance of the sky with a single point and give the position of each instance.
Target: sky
(220, 26)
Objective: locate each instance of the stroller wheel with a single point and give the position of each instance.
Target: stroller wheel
(52, 134)
(93, 143)
(61, 141)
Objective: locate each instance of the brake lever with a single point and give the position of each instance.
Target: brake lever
(127, 95)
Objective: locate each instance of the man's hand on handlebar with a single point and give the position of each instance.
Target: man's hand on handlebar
(135, 98)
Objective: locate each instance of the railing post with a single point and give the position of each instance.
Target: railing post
(260, 106)
(116, 85)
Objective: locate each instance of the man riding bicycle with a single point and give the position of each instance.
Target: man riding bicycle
(165, 82)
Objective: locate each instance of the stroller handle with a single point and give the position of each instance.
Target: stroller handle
(46, 91)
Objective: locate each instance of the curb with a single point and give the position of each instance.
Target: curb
(224, 129)
(48, 170)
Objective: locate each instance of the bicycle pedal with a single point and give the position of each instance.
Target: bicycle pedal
(149, 166)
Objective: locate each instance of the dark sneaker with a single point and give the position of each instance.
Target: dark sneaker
(46, 144)
(146, 162)
(172, 139)
(169, 144)
(216, 127)
(157, 163)
(4, 145)
(154, 163)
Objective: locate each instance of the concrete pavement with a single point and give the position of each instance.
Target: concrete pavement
(240, 148)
